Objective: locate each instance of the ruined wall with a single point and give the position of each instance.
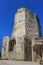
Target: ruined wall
(8, 48)
(12, 48)
(5, 46)
(37, 49)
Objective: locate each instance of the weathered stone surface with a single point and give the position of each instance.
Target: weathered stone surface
(10, 62)
(23, 45)
(5, 46)
(37, 44)
(26, 23)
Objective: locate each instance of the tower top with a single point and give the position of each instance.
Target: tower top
(23, 8)
(26, 23)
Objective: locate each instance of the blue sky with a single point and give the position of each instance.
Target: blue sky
(8, 9)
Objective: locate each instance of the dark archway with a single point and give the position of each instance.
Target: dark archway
(11, 44)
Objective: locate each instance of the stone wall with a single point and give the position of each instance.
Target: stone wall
(27, 49)
(20, 48)
(31, 24)
(12, 49)
(5, 46)
(19, 25)
(37, 49)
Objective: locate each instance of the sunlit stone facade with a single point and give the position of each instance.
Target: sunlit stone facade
(26, 42)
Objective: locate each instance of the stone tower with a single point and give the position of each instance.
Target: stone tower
(26, 26)
(25, 43)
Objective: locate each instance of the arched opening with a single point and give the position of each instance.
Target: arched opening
(12, 44)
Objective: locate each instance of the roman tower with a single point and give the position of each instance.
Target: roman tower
(26, 26)
(26, 42)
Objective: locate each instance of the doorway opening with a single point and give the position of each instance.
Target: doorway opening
(12, 44)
